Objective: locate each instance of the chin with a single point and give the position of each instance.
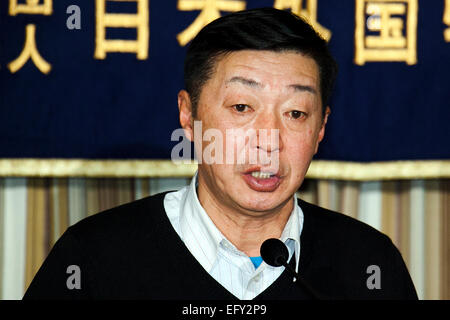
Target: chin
(262, 201)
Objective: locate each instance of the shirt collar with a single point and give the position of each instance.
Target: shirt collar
(203, 238)
(197, 229)
(292, 231)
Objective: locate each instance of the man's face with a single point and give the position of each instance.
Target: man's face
(254, 90)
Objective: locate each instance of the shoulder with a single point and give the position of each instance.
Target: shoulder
(113, 244)
(344, 238)
(129, 220)
(340, 227)
(342, 250)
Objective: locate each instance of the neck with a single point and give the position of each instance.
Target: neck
(246, 229)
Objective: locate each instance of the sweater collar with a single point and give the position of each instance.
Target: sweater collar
(203, 238)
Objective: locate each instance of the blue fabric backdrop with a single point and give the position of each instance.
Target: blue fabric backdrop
(124, 108)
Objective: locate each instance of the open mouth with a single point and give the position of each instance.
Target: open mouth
(259, 172)
(260, 180)
(262, 175)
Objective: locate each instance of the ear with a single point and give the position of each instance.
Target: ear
(322, 128)
(185, 110)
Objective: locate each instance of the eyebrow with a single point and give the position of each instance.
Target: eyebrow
(255, 84)
(245, 81)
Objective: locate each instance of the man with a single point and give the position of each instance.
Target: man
(259, 71)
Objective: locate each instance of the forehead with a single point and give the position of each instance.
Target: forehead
(268, 68)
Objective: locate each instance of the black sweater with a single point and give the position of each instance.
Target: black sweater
(133, 252)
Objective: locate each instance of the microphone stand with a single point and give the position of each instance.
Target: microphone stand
(300, 282)
(275, 253)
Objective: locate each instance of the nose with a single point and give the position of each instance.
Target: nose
(268, 133)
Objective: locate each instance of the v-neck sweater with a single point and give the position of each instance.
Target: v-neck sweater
(133, 252)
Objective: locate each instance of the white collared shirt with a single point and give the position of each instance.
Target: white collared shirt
(229, 266)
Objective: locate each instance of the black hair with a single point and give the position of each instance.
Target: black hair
(256, 29)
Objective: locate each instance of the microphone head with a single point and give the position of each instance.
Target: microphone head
(274, 252)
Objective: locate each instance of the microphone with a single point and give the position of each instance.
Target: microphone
(274, 253)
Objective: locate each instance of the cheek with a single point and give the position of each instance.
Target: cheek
(298, 151)
(298, 154)
(301, 143)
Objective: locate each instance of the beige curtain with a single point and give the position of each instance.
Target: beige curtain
(34, 212)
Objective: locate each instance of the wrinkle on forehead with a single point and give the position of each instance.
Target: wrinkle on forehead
(270, 69)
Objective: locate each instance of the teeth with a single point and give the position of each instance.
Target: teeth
(261, 175)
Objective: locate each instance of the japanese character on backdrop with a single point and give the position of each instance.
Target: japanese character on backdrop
(309, 12)
(446, 20)
(386, 30)
(138, 21)
(210, 11)
(30, 50)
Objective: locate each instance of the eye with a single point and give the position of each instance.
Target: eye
(241, 107)
(295, 114)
